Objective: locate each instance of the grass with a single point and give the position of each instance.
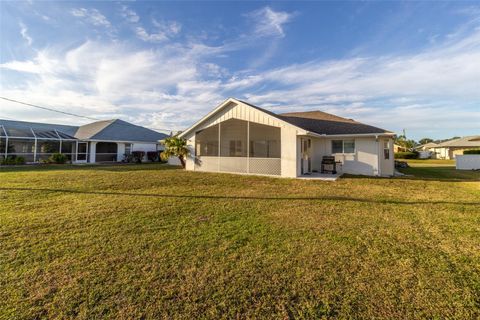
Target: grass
(433, 169)
(151, 241)
(430, 162)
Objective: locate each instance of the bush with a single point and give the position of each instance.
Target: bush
(472, 151)
(19, 160)
(8, 161)
(12, 160)
(59, 158)
(162, 157)
(406, 155)
(138, 156)
(127, 158)
(153, 156)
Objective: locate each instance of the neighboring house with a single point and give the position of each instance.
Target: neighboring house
(449, 149)
(238, 137)
(426, 146)
(102, 141)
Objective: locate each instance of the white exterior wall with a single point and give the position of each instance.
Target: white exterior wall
(120, 151)
(290, 152)
(467, 162)
(174, 161)
(92, 151)
(145, 147)
(363, 161)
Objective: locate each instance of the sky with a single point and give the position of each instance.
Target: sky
(164, 65)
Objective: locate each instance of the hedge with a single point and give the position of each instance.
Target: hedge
(472, 151)
(406, 155)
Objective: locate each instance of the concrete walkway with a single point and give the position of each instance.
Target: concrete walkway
(321, 176)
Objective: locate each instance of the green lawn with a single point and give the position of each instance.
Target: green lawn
(153, 241)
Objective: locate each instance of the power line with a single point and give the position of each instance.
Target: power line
(68, 113)
(49, 109)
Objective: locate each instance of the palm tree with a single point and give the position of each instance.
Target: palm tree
(175, 147)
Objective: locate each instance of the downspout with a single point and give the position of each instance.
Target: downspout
(378, 157)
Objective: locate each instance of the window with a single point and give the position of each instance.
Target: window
(337, 146)
(348, 146)
(343, 146)
(128, 148)
(386, 149)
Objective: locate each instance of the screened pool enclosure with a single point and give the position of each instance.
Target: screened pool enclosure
(35, 144)
(239, 146)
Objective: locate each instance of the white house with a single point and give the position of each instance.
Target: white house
(238, 137)
(101, 141)
(451, 148)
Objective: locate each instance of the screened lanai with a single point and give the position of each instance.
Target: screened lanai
(34, 144)
(239, 146)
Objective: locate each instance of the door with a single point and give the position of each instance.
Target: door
(306, 156)
(82, 151)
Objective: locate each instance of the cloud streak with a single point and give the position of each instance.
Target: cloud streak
(24, 33)
(92, 16)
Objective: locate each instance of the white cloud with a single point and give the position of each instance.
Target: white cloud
(269, 22)
(24, 33)
(92, 16)
(164, 31)
(129, 14)
(150, 37)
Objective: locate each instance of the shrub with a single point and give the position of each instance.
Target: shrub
(10, 160)
(59, 158)
(153, 155)
(406, 155)
(472, 151)
(162, 158)
(19, 160)
(138, 156)
(127, 158)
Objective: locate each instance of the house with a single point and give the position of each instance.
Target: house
(427, 146)
(449, 149)
(101, 141)
(238, 137)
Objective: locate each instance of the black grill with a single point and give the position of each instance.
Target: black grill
(329, 165)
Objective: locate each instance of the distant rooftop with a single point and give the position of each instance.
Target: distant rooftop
(114, 130)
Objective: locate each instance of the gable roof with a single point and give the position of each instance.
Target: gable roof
(111, 130)
(118, 130)
(469, 141)
(318, 122)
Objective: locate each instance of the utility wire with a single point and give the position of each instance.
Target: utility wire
(67, 113)
(49, 109)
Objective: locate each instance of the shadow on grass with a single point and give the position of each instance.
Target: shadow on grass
(186, 196)
(99, 167)
(441, 174)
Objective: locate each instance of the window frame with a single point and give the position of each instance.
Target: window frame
(386, 150)
(343, 146)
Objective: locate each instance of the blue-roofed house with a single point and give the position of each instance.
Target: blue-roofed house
(101, 141)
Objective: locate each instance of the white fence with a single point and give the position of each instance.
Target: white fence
(263, 166)
(468, 162)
